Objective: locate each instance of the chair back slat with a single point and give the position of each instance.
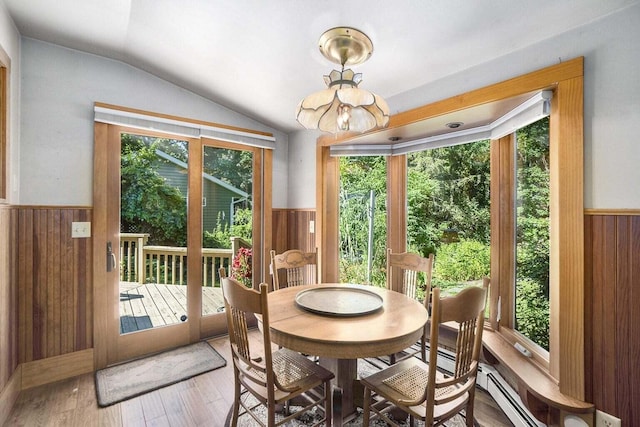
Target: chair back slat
(409, 266)
(241, 302)
(420, 388)
(467, 310)
(274, 377)
(300, 268)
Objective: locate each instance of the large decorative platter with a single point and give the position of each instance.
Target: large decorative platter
(339, 301)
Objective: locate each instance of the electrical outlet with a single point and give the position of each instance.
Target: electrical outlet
(80, 229)
(606, 420)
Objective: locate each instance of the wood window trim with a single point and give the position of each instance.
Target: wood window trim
(5, 72)
(567, 336)
(104, 137)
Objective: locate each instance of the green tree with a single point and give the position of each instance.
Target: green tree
(148, 204)
(464, 261)
(459, 198)
(423, 233)
(232, 166)
(532, 232)
(359, 176)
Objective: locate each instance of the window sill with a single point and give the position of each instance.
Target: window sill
(538, 391)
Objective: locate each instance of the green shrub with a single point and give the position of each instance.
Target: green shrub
(220, 237)
(462, 261)
(532, 312)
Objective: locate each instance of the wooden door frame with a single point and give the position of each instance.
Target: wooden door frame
(109, 345)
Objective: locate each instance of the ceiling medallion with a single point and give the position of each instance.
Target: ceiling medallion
(343, 106)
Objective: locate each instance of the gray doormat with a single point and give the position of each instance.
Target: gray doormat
(131, 379)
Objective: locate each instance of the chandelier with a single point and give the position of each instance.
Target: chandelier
(343, 106)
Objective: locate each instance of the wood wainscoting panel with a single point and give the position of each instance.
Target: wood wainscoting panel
(8, 297)
(612, 313)
(292, 230)
(54, 282)
(279, 235)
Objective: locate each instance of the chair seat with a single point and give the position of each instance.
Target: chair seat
(273, 378)
(294, 371)
(406, 381)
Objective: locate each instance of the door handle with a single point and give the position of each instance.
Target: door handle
(111, 258)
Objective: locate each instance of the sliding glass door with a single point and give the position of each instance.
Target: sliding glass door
(170, 212)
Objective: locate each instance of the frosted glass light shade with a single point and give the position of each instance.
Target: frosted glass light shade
(322, 110)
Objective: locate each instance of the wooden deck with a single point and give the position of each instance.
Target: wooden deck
(151, 305)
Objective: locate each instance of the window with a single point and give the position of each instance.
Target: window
(448, 212)
(564, 166)
(565, 360)
(532, 233)
(362, 223)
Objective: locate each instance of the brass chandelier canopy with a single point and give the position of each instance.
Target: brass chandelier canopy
(343, 106)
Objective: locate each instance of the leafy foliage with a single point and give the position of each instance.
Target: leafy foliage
(532, 311)
(232, 166)
(148, 203)
(359, 177)
(532, 232)
(220, 237)
(449, 188)
(459, 198)
(464, 261)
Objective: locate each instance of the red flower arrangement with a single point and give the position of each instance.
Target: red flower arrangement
(241, 266)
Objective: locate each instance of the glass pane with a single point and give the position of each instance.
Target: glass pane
(448, 208)
(227, 185)
(363, 218)
(153, 232)
(532, 232)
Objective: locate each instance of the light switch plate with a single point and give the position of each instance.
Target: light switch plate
(80, 229)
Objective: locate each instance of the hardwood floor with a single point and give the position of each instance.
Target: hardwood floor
(200, 401)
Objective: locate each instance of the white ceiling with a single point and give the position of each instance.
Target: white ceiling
(260, 57)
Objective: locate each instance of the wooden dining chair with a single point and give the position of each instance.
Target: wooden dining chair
(408, 266)
(300, 267)
(271, 378)
(420, 389)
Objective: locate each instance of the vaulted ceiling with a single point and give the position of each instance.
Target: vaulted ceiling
(261, 57)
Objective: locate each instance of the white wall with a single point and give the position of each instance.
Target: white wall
(302, 169)
(10, 43)
(611, 47)
(59, 88)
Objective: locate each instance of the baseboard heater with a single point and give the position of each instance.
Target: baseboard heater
(493, 383)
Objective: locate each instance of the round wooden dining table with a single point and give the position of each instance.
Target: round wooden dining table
(341, 339)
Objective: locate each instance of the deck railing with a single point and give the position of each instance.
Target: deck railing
(141, 263)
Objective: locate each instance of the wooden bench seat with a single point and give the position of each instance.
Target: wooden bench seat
(538, 391)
